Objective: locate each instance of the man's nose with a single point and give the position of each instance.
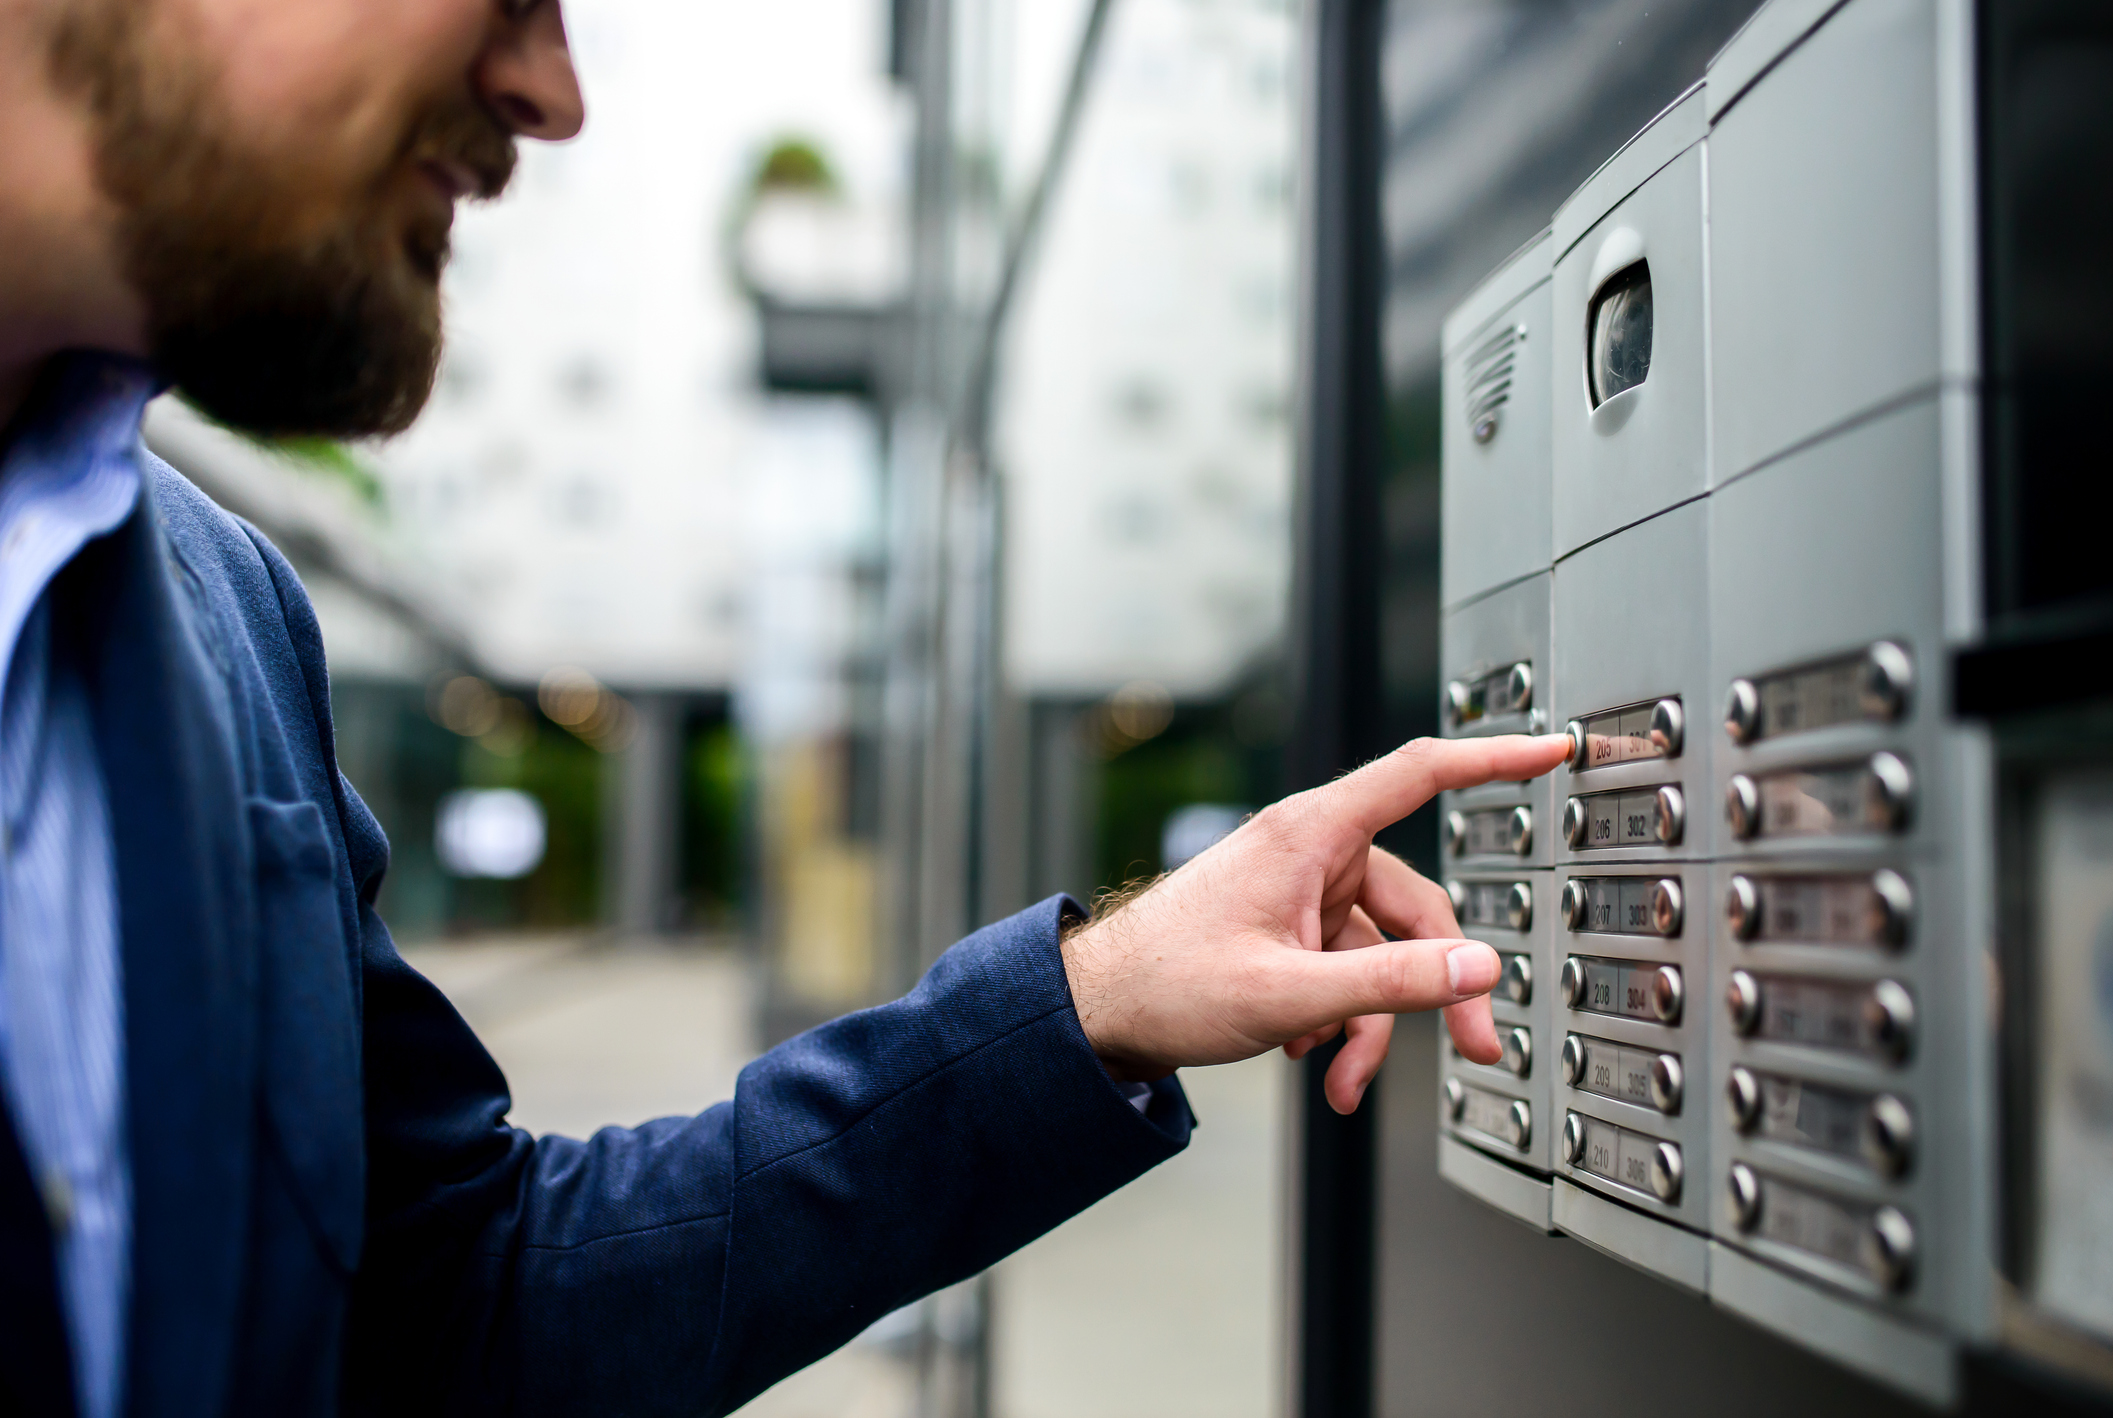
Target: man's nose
(525, 74)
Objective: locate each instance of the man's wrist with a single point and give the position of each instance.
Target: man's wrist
(1086, 946)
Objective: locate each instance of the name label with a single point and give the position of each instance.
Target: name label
(1617, 1155)
(1812, 1115)
(1822, 910)
(1624, 988)
(1488, 833)
(1620, 820)
(1488, 902)
(1621, 736)
(1612, 1071)
(1619, 905)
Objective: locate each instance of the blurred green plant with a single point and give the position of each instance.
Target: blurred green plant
(1195, 760)
(789, 164)
(317, 455)
(333, 459)
(565, 776)
(401, 763)
(714, 822)
(795, 164)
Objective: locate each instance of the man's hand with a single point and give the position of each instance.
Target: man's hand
(1274, 936)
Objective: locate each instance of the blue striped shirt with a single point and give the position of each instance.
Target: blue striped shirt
(71, 475)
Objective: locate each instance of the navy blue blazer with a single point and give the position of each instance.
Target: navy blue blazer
(330, 1211)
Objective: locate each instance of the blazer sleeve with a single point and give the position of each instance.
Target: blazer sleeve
(684, 1266)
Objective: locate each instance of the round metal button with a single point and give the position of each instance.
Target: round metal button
(1575, 823)
(1743, 1091)
(1518, 1124)
(1668, 727)
(1455, 1099)
(1667, 1080)
(1577, 905)
(1891, 792)
(1672, 815)
(1574, 1139)
(1517, 980)
(1518, 906)
(1742, 908)
(1888, 680)
(1573, 1059)
(1667, 1172)
(1457, 894)
(1518, 1052)
(1742, 999)
(1519, 686)
(1456, 832)
(1573, 982)
(1456, 702)
(1743, 1193)
(1742, 806)
(1893, 908)
(1889, 1136)
(1742, 712)
(1520, 833)
(1889, 1021)
(1579, 744)
(1889, 1247)
(1668, 907)
(1667, 993)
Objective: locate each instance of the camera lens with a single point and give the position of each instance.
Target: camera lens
(1620, 351)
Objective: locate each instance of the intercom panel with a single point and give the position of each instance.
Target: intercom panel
(1495, 654)
(1854, 1082)
(1634, 1024)
(1825, 269)
(1496, 490)
(1630, 378)
(1502, 1109)
(1631, 673)
(1829, 1022)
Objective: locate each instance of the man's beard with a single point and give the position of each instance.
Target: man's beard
(273, 304)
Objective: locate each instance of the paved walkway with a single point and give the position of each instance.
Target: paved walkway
(1161, 1302)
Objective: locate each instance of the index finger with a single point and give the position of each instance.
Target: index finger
(1388, 789)
(1473, 1025)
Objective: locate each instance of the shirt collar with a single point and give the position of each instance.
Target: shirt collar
(71, 474)
(86, 409)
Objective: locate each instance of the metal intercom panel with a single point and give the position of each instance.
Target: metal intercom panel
(1494, 644)
(1497, 367)
(1496, 840)
(1769, 1058)
(1628, 415)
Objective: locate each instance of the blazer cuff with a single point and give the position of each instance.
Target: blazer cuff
(1163, 1103)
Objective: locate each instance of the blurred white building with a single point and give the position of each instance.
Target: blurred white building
(1144, 412)
(600, 482)
(580, 485)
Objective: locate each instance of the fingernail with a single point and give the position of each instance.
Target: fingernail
(1471, 969)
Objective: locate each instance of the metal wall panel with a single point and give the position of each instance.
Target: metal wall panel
(1474, 1098)
(1496, 487)
(1489, 649)
(1823, 235)
(1632, 630)
(1633, 1015)
(1826, 594)
(1642, 450)
(1761, 547)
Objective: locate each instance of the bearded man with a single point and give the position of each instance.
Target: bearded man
(250, 1163)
